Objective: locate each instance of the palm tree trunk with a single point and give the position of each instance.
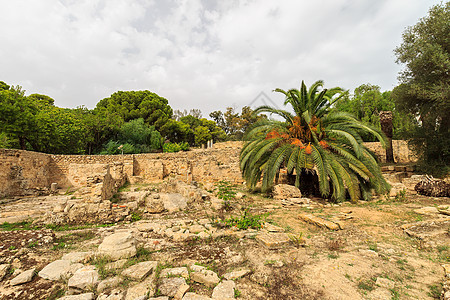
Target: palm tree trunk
(386, 127)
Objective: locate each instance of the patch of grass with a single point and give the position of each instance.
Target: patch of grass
(435, 291)
(56, 293)
(348, 276)
(100, 263)
(297, 240)
(395, 294)
(12, 248)
(24, 225)
(366, 285)
(136, 216)
(373, 246)
(32, 244)
(245, 221)
(225, 190)
(237, 293)
(333, 255)
(125, 187)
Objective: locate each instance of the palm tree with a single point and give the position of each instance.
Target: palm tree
(316, 141)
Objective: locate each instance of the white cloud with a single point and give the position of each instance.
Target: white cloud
(199, 54)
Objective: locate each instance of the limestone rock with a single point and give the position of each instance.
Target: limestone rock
(86, 296)
(181, 271)
(180, 292)
(115, 264)
(55, 270)
(140, 270)
(170, 286)
(217, 204)
(118, 245)
(159, 298)
(114, 295)
(236, 274)
(196, 228)
(144, 288)
(173, 202)
(76, 257)
(285, 191)
(194, 296)
(23, 277)
(3, 270)
(207, 277)
(224, 290)
(273, 240)
(108, 283)
(154, 206)
(84, 279)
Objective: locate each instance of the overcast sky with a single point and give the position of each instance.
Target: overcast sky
(199, 53)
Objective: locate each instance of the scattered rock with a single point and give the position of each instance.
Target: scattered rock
(224, 290)
(428, 210)
(173, 202)
(55, 270)
(180, 292)
(118, 245)
(285, 191)
(24, 277)
(194, 296)
(236, 274)
(76, 257)
(140, 270)
(309, 218)
(206, 277)
(3, 270)
(84, 279)
(86, 296)
(114, 295)
(144, 288)
(170, 286)
(108, 283)
(273, 240)
(196, 228)
(181, 271)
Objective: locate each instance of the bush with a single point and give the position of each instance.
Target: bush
(175, 147)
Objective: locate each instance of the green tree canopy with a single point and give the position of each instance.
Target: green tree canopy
(155, 110)
(425, 82)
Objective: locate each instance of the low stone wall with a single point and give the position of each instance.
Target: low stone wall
(402, 153)
(25, 172)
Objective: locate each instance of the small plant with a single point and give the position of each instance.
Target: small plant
(32, 244)
(297, 240)
(237, 293)
(395, 294)
(100, 263)
(333, 255)
(136, 216)
(335, 245)
(373, 246)
(367, 285)
(435, 291)
(225, 190)
(245, 221)
(12, 247)
(401, 196)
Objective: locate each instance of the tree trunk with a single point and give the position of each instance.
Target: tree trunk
(386, 127)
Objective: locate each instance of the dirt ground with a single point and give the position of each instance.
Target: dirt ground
(372, 257)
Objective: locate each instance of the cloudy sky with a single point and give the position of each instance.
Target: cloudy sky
(203, 54)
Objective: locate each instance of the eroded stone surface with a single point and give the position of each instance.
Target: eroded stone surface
(206, 277)
(118, 245)
(84, 279)
(23, 277)
(181, 271)
(273, 240)
(140, 270)
(86, 296)
(236, 274)
(170, 286)
(55, 270)
(224, 290)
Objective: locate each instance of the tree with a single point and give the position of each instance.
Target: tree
(155, 110)
(313, 141)
(17, 114)
(424, 88)
(367, 102)
(135, 137)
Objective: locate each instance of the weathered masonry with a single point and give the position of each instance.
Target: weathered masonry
(26, 172)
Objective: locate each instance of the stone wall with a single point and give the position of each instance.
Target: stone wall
(402, 153)
(23, 172)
